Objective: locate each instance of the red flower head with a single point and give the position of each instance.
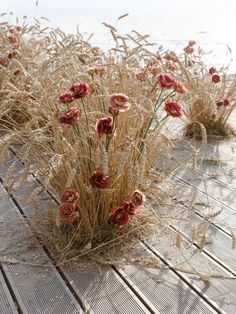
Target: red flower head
(192, 42)
(189, 49)
(100, 70)
(138, 198)
(105, 126)
(119, 216)
(3, 61)
(65, 97)
(220, 102)
(173, 108)
(99, 180)
(70, 116)
(69, 196)
(67, 213)
(212, 70)
(226, 102)
(119, 102)
(16, 72)
(180, 88)
(155, 70)
(165, 80)
(170, 66)
(12, 54)
(79, 90)
(141, 75)
(130, 207)
(171, 56)
(215, 78)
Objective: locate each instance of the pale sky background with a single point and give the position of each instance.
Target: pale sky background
(169, 22)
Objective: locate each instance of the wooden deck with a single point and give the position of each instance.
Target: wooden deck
(31, 283)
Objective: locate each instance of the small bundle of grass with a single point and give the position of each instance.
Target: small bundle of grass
(94, 130)
(211, 96)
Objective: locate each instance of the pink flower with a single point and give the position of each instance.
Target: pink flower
(119, 216)
(141, 75)
(79, 90)
(165, 80)
(69, 196)
(180, 88)
(192, 42)
(138, 198)
(14, 29)
(65, 97)
(171, 56)
(173, 108)
(212, 70)
(70, 116)
(120, 102)
(215, 78)
(155, 70)
(105, 126)
(130, 207)
(170, 66)
(220, 102)
(3, 61)
(12, 54)
(100, 70)
(189, 49)
(99, 180)
(67, 213)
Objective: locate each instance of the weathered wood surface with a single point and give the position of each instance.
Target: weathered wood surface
(33, 284)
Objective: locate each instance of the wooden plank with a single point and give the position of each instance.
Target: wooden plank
(165, 289)
(220, 292)
(213, 188)
(38, 289)
(7, 305)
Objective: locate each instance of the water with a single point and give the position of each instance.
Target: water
(169, 22)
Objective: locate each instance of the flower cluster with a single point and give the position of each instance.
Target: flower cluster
(76, 91)
(189, 48)
(215, 77)
(68, 211)
(222, 102)
(122, 214)
(70, 116)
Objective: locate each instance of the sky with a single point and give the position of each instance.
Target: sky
(211, 23)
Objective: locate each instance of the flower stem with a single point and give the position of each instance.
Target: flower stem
(171, 93)
(89, 144)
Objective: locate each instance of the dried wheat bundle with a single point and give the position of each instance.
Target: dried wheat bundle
(211, 95)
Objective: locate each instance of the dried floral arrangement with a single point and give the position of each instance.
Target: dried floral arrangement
(90, 126)
(211, 95)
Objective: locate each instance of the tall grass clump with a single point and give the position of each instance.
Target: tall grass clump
(211, 95)
(90, 126)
